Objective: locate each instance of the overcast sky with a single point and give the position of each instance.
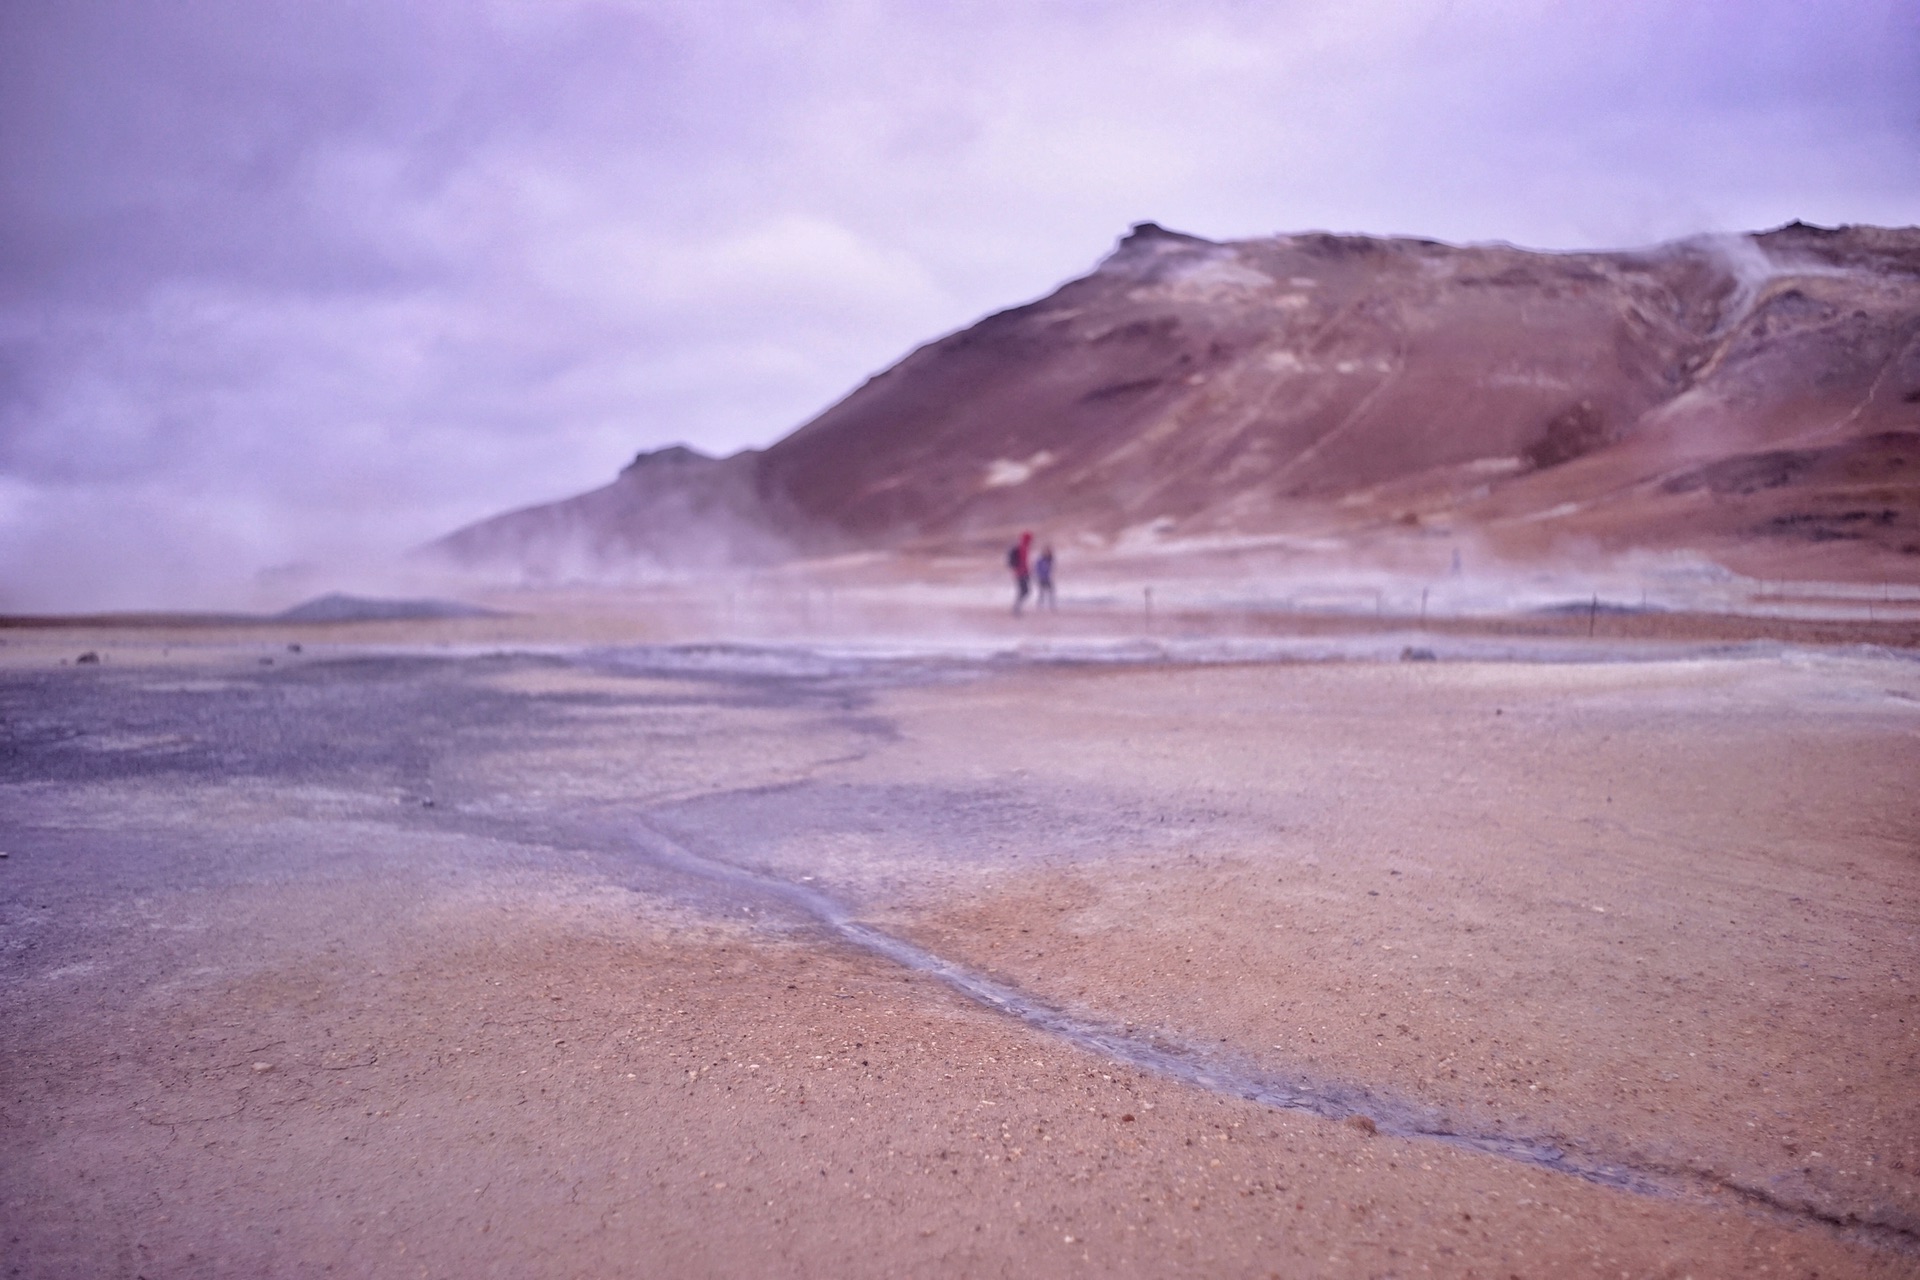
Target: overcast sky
(316, 281)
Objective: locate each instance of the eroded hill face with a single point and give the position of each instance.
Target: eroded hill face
(1746, 396)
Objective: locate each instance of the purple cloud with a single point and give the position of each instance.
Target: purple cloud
(292, 282)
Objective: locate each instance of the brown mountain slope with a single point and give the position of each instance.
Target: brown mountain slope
(1738, 395)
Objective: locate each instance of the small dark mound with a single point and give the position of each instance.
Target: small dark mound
(344, 608)
(1604, 608)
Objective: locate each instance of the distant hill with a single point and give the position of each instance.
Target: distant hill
(1744, 395)
(336, 607)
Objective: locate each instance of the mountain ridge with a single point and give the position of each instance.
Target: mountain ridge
(1347, 387)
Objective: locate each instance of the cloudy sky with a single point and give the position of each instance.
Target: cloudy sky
(314, 281)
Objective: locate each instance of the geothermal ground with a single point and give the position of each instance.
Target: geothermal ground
(553, 946)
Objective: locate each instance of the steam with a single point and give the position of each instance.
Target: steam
(1753, 268)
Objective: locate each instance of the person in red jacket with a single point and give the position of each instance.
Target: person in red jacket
(1018, 561)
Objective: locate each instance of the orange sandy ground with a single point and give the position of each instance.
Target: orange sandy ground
(1665, 912)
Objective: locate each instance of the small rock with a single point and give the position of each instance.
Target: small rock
(1413, 654)
(293, 648)
(262, 1067)
(1364, 1124)
(1127, 1119)
(87, 658)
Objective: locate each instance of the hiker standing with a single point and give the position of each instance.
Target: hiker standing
(1022, 572)
(1043, 580)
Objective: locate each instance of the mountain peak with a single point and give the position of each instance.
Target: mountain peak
(1147, 232)
(1352, 391)
(674, 455)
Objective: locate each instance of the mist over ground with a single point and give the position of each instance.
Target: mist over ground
(287, 287)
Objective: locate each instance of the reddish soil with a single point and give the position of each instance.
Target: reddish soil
(271, 1014)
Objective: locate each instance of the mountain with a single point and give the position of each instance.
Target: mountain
(671, 509)
(1755, 398)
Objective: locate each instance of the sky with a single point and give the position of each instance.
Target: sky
(309, 283)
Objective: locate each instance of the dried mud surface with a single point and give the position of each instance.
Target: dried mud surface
(372, 963)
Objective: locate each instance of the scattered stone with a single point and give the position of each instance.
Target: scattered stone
(262, 1067)
(87, 658)
(1127, 1119)
(1414, 653)
(293, 648)
(1364, 1124)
